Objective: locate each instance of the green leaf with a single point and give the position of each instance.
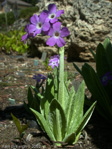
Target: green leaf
(76, 109)
(44, 124)
(48, 96)
(30, 96)
(33, 100)
(86, 118)
(66, 96)
(24, 127)
(57, 120)
(106, 42)
(27, 108)
(94, 85)
(102, 66)
(70, 105)
(65, 76)
(109, 56)
(74, 135)
(17, 123)
(94, 55)
(77, 68)
(71, 138)
(22, 134)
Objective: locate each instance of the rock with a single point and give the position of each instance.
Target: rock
(19, 24)
(20, 58)
(29, 137)
(33, 124)
(89, 23)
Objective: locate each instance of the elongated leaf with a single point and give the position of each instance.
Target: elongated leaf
(35, 89)
(86, 118)
(106, 42)
(48, 96)
(24, 127)
(57, 120)
(76, 111)
(77, 68)
(102, 66)
(65, 76)
(66, 97)
(73, 137)
(95, 87)
(30, 96)
(70, 105)
(17, 123)
(109, 56)
(27, 108)
(43, 123)
(94, 55)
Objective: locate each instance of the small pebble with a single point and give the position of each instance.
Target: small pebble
(28, 138)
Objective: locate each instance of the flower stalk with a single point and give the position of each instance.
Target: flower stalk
(61, 76)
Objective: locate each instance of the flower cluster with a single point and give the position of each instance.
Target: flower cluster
(47, 23)
(54, 61)
(106, 78)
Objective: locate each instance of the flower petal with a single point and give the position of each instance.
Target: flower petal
(24, 37)
(47, 19)
(53, 64)
(38, 31)
(57, 26)
(45, 32)
(34, 19)
(32, 28)
(46, 26)
(53, 60)
(51, 41)
(53, 20)
(59, 12)
(64, 32)
(52, 8)
(51, 31)
(43, 16)
(27, 27)
(60, 42)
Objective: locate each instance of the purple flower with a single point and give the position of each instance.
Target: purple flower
(39, 77)
(55, 56)
(54, 61)
(53, 13)
(106, 78)
(57, 35)
(27, 35)
(38, 24)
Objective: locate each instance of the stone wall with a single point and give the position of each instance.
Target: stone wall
(89, 23)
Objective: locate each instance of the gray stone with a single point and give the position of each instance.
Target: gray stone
(44, 56)
(33, 124)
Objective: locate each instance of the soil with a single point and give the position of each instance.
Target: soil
(16, 73)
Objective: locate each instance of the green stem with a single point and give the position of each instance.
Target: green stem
(61, 77)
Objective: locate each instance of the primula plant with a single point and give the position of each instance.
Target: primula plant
(100, 82)
(60, 113)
